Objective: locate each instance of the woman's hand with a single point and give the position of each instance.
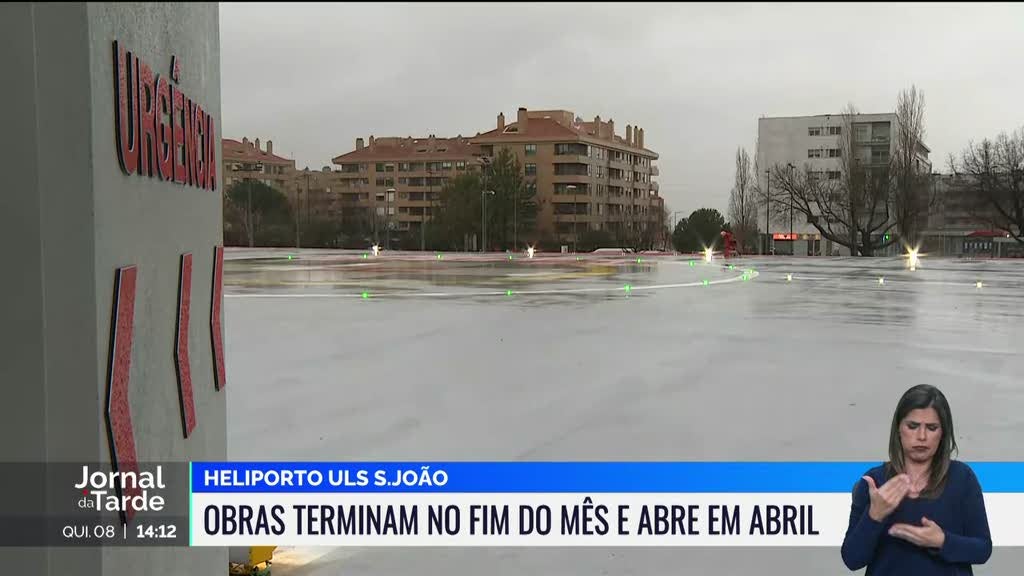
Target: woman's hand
(887, 498)
(927, 535)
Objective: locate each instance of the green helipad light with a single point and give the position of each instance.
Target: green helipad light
(638, 260)
(731, 266)
(508, 293)
(509, 256)
(289, 256)
(366, 295)
(578, 258)
(691, 263)
(705, 282)
(364, 256)
(627, 287)
(438, 256)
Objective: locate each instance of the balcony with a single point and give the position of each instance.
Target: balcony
(570, 159)
(654, 186)
(571, 179)
(655, 171)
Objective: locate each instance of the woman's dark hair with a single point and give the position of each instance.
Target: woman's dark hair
(920, 397)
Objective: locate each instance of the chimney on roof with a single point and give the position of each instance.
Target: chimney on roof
(611, 129)
(629, 135)
(245, 141)
(501, 121)
(258, 145)
(359, 143)
(522, 120)
(371, 140)
(597, 126)
(270, 146)
(640, 139)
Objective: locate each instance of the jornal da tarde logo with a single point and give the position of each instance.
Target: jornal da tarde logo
(122, 492)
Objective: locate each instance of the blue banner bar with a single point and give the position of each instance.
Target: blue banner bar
(612, 477)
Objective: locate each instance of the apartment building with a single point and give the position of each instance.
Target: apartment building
(586, 176)
(813, 143)
(248, 160)
(962, 223)
(393, 183)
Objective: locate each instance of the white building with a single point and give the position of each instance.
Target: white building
(813, 143)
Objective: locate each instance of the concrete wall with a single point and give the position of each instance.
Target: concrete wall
(74, 217)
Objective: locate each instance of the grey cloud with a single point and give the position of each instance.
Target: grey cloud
(313, 77)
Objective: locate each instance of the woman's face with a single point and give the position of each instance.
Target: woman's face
(920, 433)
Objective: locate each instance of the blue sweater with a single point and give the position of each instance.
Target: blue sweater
(959, 511)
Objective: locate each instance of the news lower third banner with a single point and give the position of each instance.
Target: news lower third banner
(548, 503)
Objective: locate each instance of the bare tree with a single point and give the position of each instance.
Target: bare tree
(743, 203)
(992, 173)
(909, 169)
(852, 210)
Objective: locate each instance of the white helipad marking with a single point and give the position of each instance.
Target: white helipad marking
(371, 295)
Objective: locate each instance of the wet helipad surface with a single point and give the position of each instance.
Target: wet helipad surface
(332, 356)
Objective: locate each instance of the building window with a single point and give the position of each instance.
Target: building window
(833, 174)
(460, 165)
(446, 165)
(814, 153)
(379, 182)
(389, 167)
(531, 169)
(391, 210)
(833, 152)
(380, 210)
(403, 167)
(814, 131)
(835, 130)
(379, 167)
(531, 149)
(391, 196)
(572, 148)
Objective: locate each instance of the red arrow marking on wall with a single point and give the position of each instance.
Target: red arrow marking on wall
(181, 361)
(119, 414)
(216, 328)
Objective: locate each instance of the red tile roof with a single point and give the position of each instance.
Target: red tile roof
(412, 149)
(235, 150)
(535, 128)
(549, 128)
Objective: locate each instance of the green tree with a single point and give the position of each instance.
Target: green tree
(591, 240)
(457, 212)
(702, 229)
(512, 210)
(269, 212)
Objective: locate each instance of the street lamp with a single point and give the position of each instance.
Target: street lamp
(573, 188)
(483, 217)
(387, 216)
(767, 211)
(248, 208)
(792, 239)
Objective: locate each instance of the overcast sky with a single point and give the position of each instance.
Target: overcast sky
(313, 77)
